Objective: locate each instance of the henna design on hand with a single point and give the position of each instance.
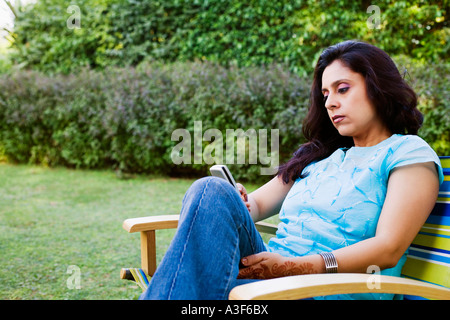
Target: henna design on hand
(288, 268)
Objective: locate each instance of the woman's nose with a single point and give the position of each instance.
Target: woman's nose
(331, 102)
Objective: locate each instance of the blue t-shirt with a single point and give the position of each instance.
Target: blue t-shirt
(340, 201)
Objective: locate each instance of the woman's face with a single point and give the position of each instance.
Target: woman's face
(348, 106)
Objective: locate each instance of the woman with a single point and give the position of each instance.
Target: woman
(354, 196)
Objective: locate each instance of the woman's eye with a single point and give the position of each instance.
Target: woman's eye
(343, 90)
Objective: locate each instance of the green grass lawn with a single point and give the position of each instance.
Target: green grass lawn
(51, 219)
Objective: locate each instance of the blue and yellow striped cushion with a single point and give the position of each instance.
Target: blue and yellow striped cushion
(140, 277)
(429, 254)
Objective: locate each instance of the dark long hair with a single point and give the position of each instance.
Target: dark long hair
(394, 100)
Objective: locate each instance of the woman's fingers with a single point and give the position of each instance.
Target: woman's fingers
(244, 195)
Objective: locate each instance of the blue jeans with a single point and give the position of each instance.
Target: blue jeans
(215, 231)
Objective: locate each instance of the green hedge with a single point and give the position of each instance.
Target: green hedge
(248, 33)
(124, 118)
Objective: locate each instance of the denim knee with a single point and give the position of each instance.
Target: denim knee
(215, 181)
(211, 184)
(213, 191)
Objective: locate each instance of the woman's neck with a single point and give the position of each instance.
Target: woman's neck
(369, 140)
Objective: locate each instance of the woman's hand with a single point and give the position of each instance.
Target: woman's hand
(244, 195)
(268, 265)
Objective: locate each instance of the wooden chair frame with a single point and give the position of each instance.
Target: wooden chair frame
(294, 287)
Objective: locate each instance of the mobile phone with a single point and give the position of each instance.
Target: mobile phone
(222, 171)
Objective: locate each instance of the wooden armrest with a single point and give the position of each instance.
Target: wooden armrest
(265, 227)
(311, 285)
(171, 222)
(147, 227)
(151, 223)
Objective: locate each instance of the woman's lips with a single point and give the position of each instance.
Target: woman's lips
(338, 118)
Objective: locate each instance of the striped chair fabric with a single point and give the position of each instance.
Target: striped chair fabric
(140, 277)
(429, 254)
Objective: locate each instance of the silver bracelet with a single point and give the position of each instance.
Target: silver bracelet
(331, 264)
